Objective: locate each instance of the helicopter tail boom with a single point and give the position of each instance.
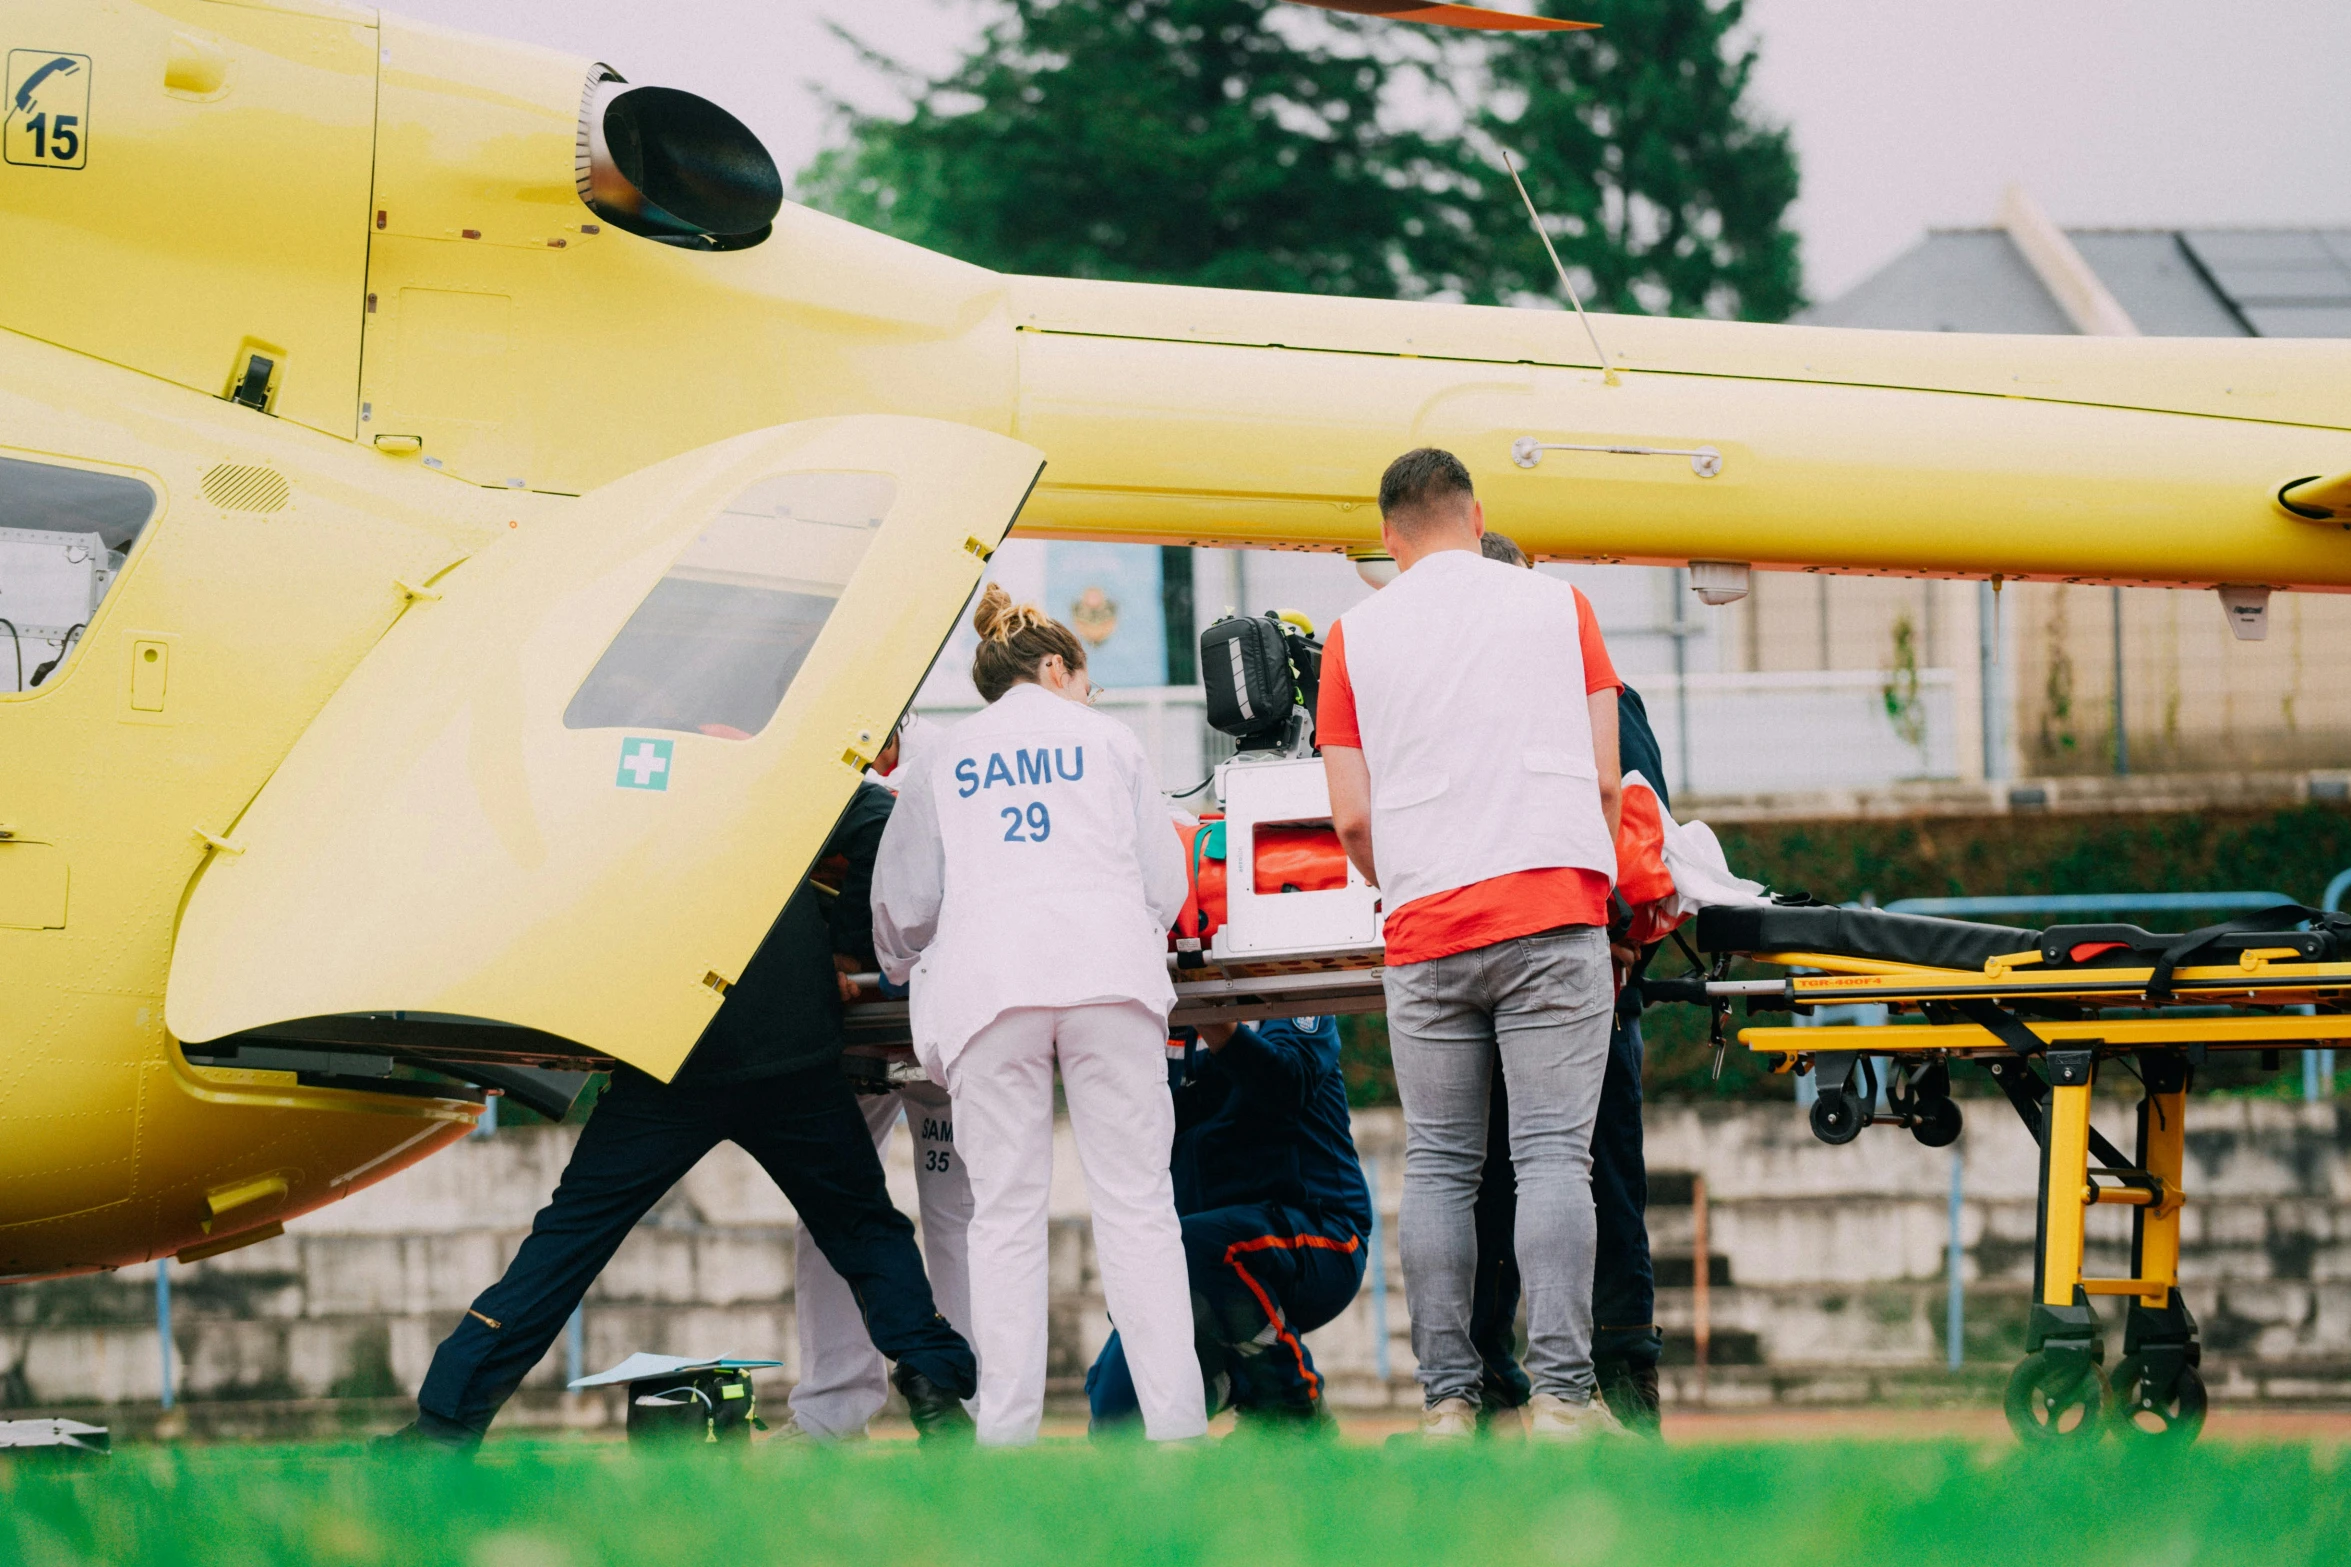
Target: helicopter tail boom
(1256, 419)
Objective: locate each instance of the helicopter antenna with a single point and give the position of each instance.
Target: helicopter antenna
(1607, 371)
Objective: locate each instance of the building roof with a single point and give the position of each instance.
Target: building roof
(2171, 282)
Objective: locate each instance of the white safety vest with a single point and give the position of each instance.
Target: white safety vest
(1030, 862)
(1469, 693)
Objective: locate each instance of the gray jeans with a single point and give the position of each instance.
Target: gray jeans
(1543, 1003)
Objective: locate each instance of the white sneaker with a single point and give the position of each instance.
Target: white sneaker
(792, 1433)
(1551, 1418)
(1449, 1420)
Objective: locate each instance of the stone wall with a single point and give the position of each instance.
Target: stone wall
(1828, 1271)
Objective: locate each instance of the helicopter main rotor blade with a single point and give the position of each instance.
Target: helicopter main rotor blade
(1476, 18)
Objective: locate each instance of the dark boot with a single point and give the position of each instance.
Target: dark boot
(938, 1415)
(1630, 1389)
(428, 1431)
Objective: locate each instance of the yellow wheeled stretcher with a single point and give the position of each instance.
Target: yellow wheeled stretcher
(2043, 1012)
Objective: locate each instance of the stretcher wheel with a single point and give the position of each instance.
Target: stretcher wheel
(2057, 1397)
(1836, 1118)
(1938, 1123)
(2140, 1413)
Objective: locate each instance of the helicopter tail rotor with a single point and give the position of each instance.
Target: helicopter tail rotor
(1471, 17)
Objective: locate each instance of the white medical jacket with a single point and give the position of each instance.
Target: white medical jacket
(1031, 862)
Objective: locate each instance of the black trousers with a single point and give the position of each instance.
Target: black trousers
(1261, 1276)
(804, 1129)
(1624, 1289)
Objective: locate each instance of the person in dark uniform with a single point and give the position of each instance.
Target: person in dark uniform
(1626, 1343)
(766, 1076)
(1274, 1211)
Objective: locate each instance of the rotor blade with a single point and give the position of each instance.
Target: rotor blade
(1475, 18)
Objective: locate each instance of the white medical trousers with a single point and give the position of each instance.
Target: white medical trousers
(1113, 1059)
(843, 1379)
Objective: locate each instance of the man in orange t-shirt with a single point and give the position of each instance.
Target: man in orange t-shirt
(1467, 721)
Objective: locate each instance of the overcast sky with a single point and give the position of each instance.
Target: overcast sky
(1908, 114)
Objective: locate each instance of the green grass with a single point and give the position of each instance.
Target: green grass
(1241, 1504)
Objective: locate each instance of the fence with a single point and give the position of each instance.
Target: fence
(1747, 733)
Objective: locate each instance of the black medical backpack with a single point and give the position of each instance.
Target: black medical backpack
(1257, 671)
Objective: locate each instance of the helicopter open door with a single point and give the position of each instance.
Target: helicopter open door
(574, 785)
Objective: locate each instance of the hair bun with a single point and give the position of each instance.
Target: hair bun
(995, 608)
(1015, 641)
(998, 619)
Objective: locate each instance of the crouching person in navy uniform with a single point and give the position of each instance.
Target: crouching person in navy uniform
(1274, 1212)
(765, 1075)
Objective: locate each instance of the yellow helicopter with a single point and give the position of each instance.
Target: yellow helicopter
(463, 534)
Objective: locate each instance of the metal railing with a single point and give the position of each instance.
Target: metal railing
(2089, 903)
(1746, 733)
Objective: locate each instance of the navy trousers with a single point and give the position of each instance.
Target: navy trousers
(1262, 1275)
(1624, 1290)
(804, 1129)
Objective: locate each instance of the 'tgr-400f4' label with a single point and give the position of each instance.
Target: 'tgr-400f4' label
(48, 109)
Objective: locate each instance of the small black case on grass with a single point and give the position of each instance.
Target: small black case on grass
(710, 1405)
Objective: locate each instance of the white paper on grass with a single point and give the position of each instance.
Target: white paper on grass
(642, 1365)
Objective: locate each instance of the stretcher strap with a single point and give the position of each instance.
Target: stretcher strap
(2284, 917)
(2002, 1025)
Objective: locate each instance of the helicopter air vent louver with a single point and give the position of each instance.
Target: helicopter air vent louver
(242, 487)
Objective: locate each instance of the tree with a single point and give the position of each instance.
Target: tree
(1178, 141)
(1639, 145)
(1247, 144)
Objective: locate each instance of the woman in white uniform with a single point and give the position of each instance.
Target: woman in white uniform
(1025, 886)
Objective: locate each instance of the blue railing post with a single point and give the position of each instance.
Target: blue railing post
(2318, 1078)
(2332, 903)
(1375, 1263)
(1955, 1264)
(163, 1324)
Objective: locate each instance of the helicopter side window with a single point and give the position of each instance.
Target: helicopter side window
(64, 535)
(715, 645)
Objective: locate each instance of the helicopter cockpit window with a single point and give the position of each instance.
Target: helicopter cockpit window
(714, 647)
(64, 536)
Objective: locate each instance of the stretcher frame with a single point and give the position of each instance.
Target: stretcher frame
(2060, 1393)
(880, 1053)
